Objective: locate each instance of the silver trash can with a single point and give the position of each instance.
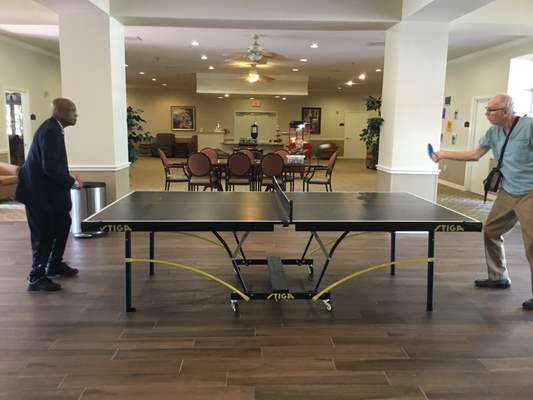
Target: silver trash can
(87, 200)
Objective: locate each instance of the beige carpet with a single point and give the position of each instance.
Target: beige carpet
(349, 176)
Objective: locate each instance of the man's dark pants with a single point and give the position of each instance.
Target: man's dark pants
(49, 234)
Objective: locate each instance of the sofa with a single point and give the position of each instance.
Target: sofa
(174, 146)
(8, 180)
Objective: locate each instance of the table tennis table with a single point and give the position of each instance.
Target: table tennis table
(242, 213)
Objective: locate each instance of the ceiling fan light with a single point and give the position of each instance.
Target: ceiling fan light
(252, 77)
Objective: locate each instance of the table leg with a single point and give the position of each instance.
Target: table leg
(152, 252)
(393, 252)
(127, 272)
(431, 253)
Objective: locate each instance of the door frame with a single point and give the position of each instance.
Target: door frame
(28, 132)
(471, 137)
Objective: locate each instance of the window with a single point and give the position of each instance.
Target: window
(520, 85)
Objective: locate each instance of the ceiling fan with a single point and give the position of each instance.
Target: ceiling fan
(254, 76)
(254, 55)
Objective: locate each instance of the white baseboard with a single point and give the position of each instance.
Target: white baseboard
(452, 185)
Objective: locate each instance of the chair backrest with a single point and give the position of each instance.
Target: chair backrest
(163, 158)
(248, 153)
(283, 153)
(165, 139)
(221, 154)
(331, 163)
(199, 164)
(272, 165)
(239, 164)
(211, 153)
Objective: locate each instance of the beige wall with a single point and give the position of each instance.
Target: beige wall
(210, 110)
(34, 71)
(481, 74)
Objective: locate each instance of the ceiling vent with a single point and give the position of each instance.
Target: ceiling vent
(375, 44)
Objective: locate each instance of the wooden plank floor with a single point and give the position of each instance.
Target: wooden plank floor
(185, 342)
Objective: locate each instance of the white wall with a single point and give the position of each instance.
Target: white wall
(481, 74)
(210, 110)
(26, 68)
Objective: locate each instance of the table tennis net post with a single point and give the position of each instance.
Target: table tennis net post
(283, 201)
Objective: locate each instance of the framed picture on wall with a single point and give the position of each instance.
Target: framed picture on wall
(312, 116)
(183, 118)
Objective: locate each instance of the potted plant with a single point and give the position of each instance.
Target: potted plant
(370, 135)
(136, 133)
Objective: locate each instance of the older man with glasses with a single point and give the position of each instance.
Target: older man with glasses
(514, 202)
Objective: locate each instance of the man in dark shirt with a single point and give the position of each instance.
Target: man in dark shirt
(44, 188)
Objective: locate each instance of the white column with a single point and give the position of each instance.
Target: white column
(413, 97)
(93, 76)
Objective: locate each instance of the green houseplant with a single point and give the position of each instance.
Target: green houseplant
(136, 133)
(370, 135)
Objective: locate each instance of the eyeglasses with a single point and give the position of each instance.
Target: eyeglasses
(489, 110)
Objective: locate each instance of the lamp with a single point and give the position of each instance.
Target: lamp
(253, 75)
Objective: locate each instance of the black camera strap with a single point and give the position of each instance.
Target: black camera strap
(505, 143)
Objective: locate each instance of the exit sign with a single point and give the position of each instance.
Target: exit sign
(256, 103)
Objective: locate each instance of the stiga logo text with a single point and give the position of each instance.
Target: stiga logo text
(449, 228)
(115, 228)
(280, 296)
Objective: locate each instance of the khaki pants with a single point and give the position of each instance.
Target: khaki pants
(503, 216)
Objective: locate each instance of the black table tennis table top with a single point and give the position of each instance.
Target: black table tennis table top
(260, 211)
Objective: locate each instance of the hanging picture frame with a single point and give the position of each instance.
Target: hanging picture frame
(313, 117)
(183, 118)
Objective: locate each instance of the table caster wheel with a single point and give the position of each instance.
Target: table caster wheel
(234, 305)
(329, 306)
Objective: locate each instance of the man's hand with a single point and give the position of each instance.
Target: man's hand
(78, 184)
(436, 156)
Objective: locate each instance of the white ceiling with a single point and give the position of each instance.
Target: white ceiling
(159, 33)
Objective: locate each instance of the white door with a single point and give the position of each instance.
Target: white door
(480, 169)
(26, 122)
(354, 123)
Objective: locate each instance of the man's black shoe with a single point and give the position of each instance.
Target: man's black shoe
(61, 270)
(44, 283)
(528, 304)
(493, 284)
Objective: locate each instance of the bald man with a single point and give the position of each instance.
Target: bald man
(514, 202)
(44, 188)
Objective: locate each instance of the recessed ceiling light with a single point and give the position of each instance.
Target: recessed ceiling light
(350, 83)
(314, 46)
(163, 84)
(220, 97)
(303, 59)
(295, 70)
(204, 57)
(226, 95)
(211, 67)
(141, 73)
(195, 43)
(362, 77)
(277, 97)
(252, 98)
(154, 79)
(378, 69)
(339, 87)
(283, 98)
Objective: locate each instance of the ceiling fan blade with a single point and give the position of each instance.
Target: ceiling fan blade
(265, 78)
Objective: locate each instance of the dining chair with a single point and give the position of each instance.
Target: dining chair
(169, 167)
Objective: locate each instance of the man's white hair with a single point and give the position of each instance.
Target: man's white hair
(506, 102)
